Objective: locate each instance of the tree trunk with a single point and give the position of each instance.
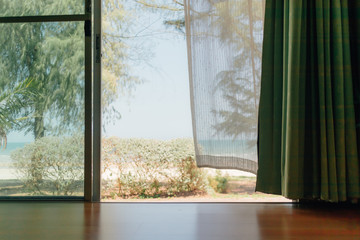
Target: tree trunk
(3, 138)
(39, 130)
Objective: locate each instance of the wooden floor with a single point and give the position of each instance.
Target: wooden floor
(67, 221)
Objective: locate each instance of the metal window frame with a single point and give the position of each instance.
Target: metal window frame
(92, 139)
(97, 39)
(47, 18)
(88, 156)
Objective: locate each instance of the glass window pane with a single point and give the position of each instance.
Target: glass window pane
(39, 8)
(42, 109)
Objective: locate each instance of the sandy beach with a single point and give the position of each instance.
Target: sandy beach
(6, 172)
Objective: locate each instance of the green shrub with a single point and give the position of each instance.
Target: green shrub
(149, 168)
(219, 183)
(130, 167)
(51, 165)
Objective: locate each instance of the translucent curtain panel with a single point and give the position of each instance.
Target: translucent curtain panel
(224, 51)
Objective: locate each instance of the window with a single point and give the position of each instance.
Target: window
(45, 64)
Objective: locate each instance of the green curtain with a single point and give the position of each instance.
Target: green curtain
(309, 111)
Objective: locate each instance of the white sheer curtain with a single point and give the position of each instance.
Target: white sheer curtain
(224, 50)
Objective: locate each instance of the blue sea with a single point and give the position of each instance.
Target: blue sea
(5, 153)
(11, 147)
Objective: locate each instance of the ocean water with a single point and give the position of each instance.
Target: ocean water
(11, 147)
(5, 153)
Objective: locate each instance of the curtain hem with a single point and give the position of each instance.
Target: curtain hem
(227, 162)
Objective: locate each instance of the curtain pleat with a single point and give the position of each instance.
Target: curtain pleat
(309, 102)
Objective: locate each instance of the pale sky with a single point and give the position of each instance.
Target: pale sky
(160, 107)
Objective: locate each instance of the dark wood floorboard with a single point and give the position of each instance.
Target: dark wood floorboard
(103, 221)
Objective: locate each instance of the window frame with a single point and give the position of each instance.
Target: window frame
(92, 92)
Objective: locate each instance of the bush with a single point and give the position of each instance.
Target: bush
(130, 167)
(220, 183)
(51, 165)
(149, 168)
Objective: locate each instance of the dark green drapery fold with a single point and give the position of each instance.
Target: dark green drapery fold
(309, 111)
